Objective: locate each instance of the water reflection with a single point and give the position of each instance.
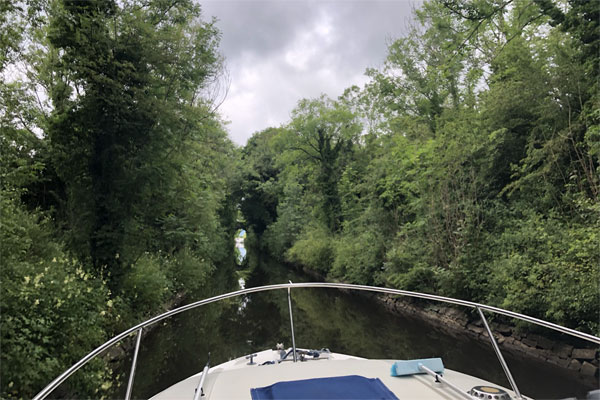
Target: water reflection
(239, 246)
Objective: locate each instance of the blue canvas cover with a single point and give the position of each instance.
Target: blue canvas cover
(353, 387)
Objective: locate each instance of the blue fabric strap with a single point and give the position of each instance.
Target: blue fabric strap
(340, 387)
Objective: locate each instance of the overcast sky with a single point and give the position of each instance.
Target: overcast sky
(278, 52)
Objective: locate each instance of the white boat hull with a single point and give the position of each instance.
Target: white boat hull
(235, 378)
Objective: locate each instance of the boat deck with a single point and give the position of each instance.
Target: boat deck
(233, 380)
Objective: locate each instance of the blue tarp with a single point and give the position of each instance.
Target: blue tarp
(340, 387)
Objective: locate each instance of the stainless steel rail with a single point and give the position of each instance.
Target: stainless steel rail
(511, 380)
(199, 389)
(62, 377)
(134, 364)
(292, 323)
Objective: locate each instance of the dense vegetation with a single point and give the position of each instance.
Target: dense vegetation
(113, 191)
(467, 167)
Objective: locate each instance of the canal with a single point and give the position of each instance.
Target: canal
(341, 321)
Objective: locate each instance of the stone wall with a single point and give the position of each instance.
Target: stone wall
(585, 361)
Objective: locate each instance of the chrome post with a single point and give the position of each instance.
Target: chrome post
(511, 380)
(199, 389)
(133, 364)
(292, 322)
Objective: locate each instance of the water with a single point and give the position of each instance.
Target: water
(239, 246)
(340, 321)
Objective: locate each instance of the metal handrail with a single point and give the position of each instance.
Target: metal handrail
(507, 372)
(133, 364)
(62, 377)
(289, 296)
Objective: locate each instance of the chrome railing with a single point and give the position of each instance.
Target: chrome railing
(479, 307)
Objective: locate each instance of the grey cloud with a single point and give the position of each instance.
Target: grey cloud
(259, 27)
(281, 51)
(367, 26)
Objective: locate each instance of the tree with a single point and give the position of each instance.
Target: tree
(323, 133)
(477, 176)
(126, 81)
(258, 191)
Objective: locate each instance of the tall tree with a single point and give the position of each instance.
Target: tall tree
(323, 133)
(126, 82)
(258, 193)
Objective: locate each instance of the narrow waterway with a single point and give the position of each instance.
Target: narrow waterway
(340, 321)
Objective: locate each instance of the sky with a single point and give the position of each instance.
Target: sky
(278, 52)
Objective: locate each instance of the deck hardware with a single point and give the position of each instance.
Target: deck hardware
(251, 358)
(292, 322)
(489, 392)
(281, 350)
(511, 380)
(134, 364)
(440, 379)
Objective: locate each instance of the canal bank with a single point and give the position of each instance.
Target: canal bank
(581, 361)
(575, 358)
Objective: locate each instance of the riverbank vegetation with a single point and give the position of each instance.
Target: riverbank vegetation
(466, 167)
(115, 194)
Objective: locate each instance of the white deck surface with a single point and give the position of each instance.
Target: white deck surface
(233, 380)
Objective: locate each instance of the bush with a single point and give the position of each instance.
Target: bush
(545, 269)
(47, 301)
(145, 285)
(406, 266)
(313, 249)
(358, 258)
(418, 279)
(189, 271)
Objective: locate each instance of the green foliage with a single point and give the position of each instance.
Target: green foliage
(115, 177)
(403, 256)
(20, 166)
(257, 187)
(545, 266)
(476, 175)
(418, 279)
(321, 136)
(314, 249)
(189, 272)
(292, 217)
(127, 113)
(145, 285)
(47, 299)
(355, 262)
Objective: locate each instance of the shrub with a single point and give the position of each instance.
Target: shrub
(406, 267)
(313, 249)
(358, 257)
(189, 271)
(51, 308)
(145, 285)
(544, 269)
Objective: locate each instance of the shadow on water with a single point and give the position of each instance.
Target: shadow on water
(340, 321)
